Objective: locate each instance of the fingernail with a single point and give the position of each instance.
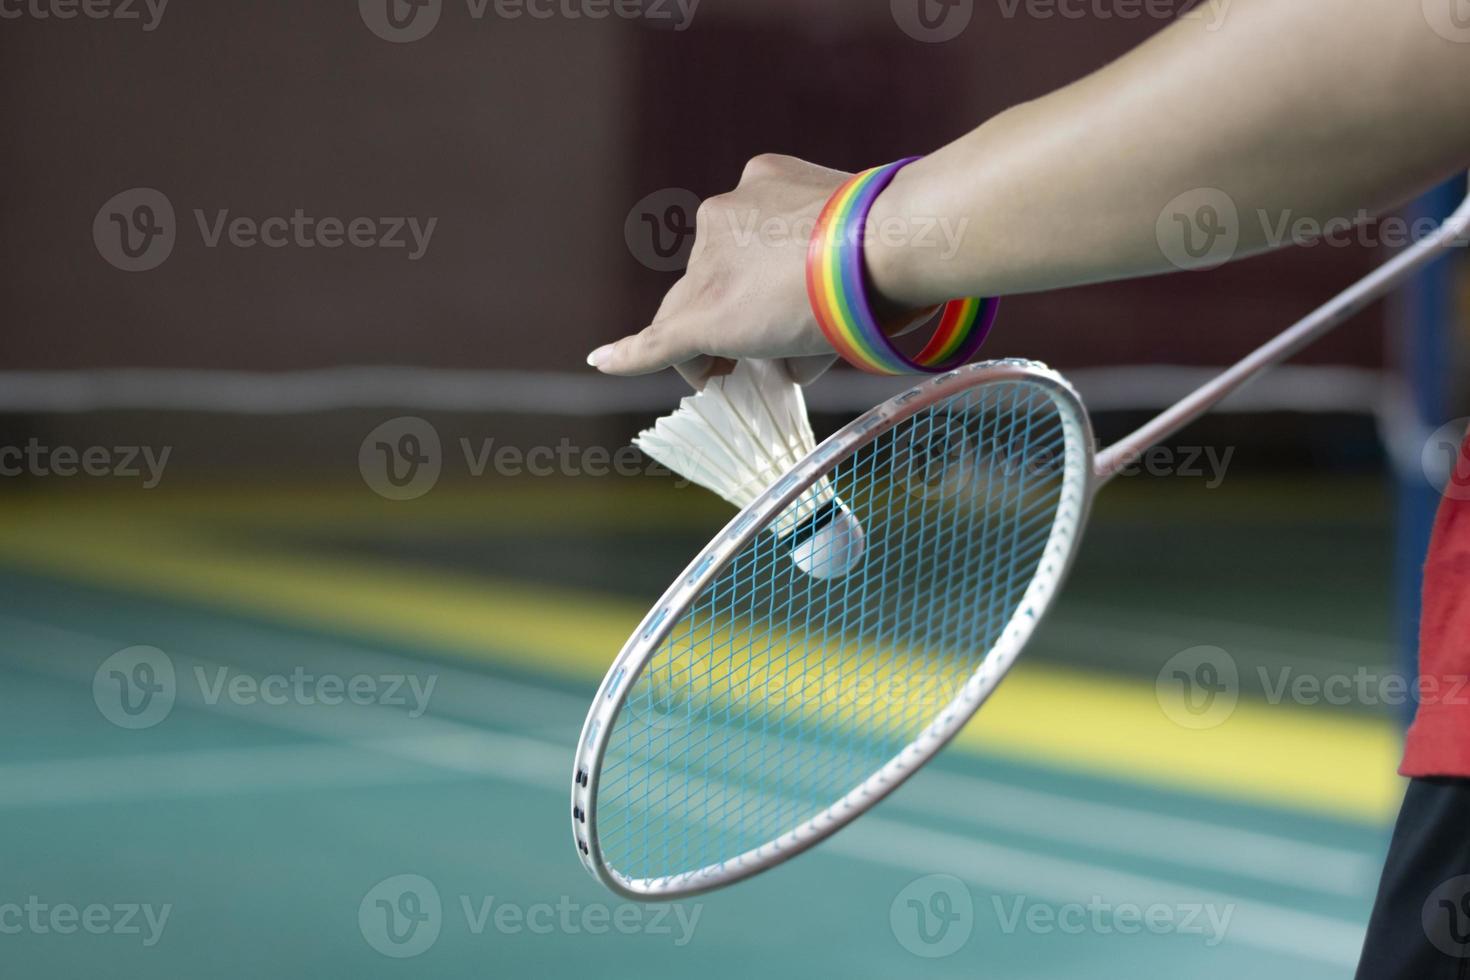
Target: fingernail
(595, 358)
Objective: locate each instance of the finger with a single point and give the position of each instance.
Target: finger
(805, 370)
(655, 347)
(699, 370)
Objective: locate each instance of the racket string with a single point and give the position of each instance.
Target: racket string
(777, 693)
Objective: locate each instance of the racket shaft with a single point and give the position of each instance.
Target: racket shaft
(1322, 321)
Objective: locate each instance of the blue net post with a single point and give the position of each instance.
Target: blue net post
(1424, 335)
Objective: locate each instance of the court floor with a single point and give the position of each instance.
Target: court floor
(358, 764)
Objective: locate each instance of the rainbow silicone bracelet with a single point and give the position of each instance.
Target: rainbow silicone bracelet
(836, 283)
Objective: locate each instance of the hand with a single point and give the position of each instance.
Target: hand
(744, 293)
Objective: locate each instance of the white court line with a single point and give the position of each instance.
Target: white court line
(204, 773)
(1176, 840)
(457, 691)
(457, 747)
(1293, 387)
(1190, 843)
(1263, 925)
(535, 764)
(1267, 857)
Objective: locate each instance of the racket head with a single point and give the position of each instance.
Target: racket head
(638, 735)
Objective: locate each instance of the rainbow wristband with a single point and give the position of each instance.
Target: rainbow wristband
(836, 282)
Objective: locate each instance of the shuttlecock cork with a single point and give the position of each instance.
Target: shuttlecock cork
(740, 435)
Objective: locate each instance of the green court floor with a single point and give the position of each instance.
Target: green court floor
(427, 836)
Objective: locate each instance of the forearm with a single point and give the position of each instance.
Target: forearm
(1292, 108)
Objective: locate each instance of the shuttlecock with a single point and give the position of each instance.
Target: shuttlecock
(739, 436)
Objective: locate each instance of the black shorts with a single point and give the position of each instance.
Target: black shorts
(1420, 928)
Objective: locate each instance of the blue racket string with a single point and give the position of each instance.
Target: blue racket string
(777, 693)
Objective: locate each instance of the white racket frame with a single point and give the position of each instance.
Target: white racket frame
(1069, 518)
(1084, 473)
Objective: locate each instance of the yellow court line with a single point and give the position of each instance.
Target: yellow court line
(1303, 759)
(594, 502)
(1312, 760)
(346, 508)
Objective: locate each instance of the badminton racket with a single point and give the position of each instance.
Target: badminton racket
(757, 709)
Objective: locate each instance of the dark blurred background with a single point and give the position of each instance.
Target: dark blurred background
(539, 156)
(528, 141)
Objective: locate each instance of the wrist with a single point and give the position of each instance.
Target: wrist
(894, 262)
(842, 291)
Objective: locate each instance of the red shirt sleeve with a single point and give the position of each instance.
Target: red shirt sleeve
(1439, 739)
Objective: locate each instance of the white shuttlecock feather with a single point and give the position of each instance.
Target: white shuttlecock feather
(740, 435)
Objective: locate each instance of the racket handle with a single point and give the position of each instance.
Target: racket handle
(1315, 325)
